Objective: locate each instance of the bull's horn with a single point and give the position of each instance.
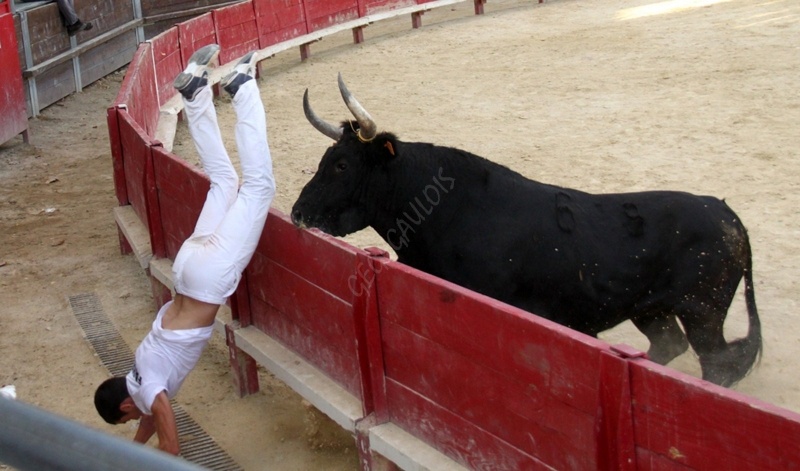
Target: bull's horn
(366, 126)
(334, 132)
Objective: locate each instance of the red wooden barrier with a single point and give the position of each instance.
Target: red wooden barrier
(181, 190)
(168, 63)
(138, 92)
(299, 293)
(682, 422)
(279, 20)
(120, 182)
(135, 155)
(12, 96)
(237, 33)
(323, 13)
(194, 34)
(499, 385)
(488, 385)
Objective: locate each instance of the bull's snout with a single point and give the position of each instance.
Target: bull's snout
(297, 217)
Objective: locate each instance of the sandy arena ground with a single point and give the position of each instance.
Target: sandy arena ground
(620, 95)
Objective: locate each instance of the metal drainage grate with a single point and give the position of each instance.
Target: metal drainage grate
(196, 445)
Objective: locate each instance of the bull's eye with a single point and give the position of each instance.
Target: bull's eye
(341, 166)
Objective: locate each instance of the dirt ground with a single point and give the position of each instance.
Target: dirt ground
(606, 96)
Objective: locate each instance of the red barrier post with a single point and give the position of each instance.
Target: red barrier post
(153, 206)
(12, 95)
(116, 156)
(368, 332)
(616, 449)
(243, 366)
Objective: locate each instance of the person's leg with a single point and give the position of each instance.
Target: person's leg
(67, 10)
(240, 231)
(198, 101)
(204, 129)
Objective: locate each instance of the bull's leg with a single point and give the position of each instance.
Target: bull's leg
(704, 331)
(667, 340)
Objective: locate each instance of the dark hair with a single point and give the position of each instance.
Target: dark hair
(109, 397)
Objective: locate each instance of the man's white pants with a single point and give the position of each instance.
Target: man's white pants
(210, 263)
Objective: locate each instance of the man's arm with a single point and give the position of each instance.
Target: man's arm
(163, 419)
(147, 428)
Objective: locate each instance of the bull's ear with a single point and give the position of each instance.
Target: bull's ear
(387, 147)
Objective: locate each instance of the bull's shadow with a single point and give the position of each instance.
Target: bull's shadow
(587, 261)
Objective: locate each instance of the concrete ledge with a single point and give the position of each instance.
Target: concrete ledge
(135, 233)
(327, 396)
(166, 128)
(161, 270)
(407, 451)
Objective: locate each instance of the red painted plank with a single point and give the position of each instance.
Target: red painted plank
(300, 292)
(368, 336)
(138, 90)
(135, 151)
(325, 260)
(12, 95)
(462, 440)
(460, 320)
(323, 13)
(120, 187)
(336, 359)
(144, 107)
(196, 33)
(168, 64)
(153, 211)
(182, 190)
(649, 461)
(237, 33)
(517, 409)
(614, 426)
(279, 20)
(305, 303)
(703, 426)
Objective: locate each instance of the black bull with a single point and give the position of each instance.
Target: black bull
(586, 261)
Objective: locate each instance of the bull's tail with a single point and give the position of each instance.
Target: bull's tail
(742, 354)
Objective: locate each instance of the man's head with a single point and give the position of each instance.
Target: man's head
(114, 403)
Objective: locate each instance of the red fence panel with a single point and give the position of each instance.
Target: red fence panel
(12, 95)
(182, 190)
(279, 20)
(138, 90)
(194, 34)
(168, 64)
(323, 13)
(135, 154)
(682, 422)
(237, 32)
(487, 384)
(300, 294)
(483, 371)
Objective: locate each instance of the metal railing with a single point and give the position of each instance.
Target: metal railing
(37, 440)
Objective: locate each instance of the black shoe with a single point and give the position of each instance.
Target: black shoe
(77, 27)
(243, 71)
(194, 77)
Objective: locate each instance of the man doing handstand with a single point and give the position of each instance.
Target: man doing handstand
(210, 262)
